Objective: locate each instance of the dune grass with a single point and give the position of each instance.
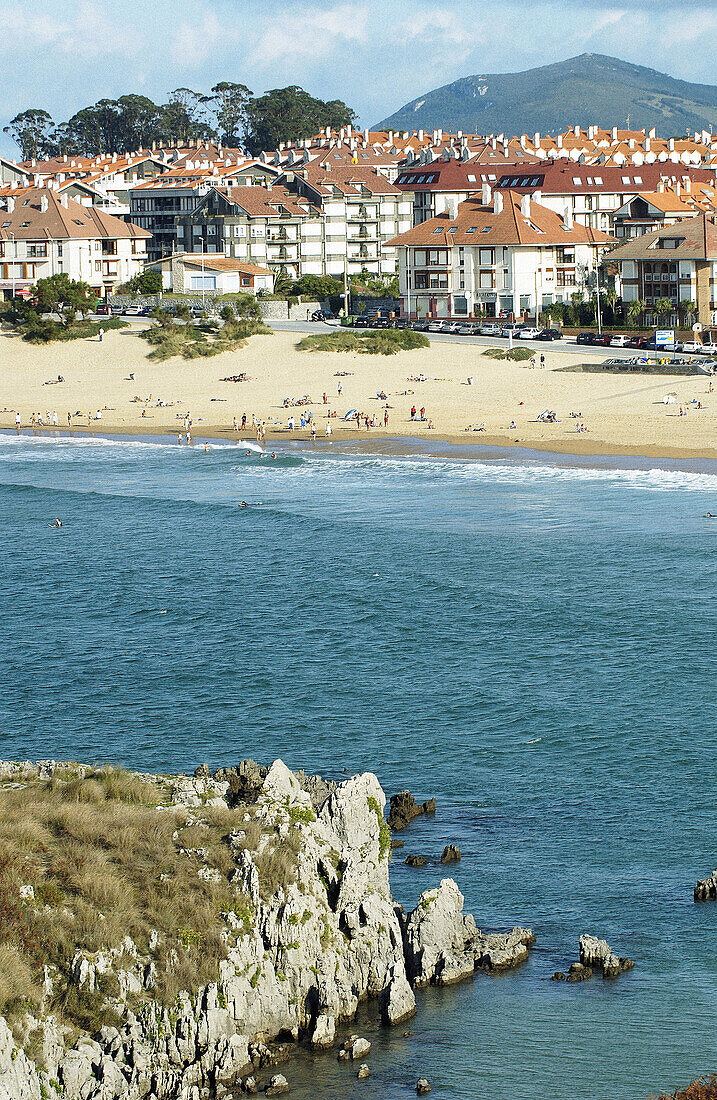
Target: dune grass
(106, 858)
(517, 355)
(387, 341)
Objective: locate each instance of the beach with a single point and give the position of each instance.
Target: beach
(622, 414)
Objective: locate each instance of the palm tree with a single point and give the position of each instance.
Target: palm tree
(283, 284)
(635, 310)
(663, 306)
(689, 309)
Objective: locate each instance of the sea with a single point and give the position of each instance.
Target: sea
(527, 638)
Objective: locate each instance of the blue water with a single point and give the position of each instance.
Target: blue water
(532, 644)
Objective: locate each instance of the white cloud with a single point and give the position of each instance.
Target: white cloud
(311, 33)
(194, 42)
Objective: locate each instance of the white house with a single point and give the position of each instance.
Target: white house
(193, 272)
(501, 253)
(44, 233)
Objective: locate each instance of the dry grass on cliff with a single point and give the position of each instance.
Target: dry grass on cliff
(705, 1088)
(104, 863)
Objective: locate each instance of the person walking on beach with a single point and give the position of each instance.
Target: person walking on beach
(101, 334)
(313, 432)
(17, 420)
(235, 424)
(325, 398)
(340, 389)
(542, 359)
(243, 421)
(69, 420)
(54, 418)
(328, 427)
(413, 412)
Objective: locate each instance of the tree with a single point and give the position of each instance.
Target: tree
(318, 287)
(688, 309)
(149, 282)
(231, 102)
(30, 130)
(184, 118)
(635, 310)
(65, 297)
(289, 114)
(663, 306)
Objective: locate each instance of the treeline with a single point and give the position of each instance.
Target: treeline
(230, 114)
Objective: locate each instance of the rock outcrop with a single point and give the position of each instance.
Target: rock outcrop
(598, 955)
(301, 952)
(706, 888)
(444, 945)
(404, 808)
(451, 854)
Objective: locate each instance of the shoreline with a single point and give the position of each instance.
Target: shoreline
(464, 445)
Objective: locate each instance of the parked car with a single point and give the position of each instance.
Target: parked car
(103, 310)
(638, 342)
(550, 334)
(322, 315)
(491, 330)
(708, 349)
(420, 326)
(465, 328)
(585, 338)
(513, 328)
(692, 346)
(528, 333)
(602, 339)
(435, 326)
(402, 322)
(132, 311)
(117, 311)
(361, 322)
(620, 340)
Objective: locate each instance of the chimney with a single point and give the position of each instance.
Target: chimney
(671, 145)
(576, 131)
(536, 138)
(11, 205)
(497, 203)
(537, 197)
(44, 204)
(451, 206)
(525, 206)
(568, 217)
(614, 133)
(486, 194)
(420, 135)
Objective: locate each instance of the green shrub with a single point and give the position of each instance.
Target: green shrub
(381, 342)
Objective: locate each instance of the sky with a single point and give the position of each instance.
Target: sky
(376, 55)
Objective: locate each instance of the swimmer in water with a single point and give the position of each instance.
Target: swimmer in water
(273, 454)
(243, 504)
(57, 523)
(206, 448)
(247, 454)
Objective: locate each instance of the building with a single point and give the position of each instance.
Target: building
(265, 225)
(321, 220)
(677, 262)
(498, 254)
(157, 204)
(193, 272)
(44, 233)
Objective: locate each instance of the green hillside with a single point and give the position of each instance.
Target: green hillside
(591, 88)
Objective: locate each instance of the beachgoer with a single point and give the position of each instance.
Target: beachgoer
(328, 427)
(273, 454)
(206, 448)
(340, 388)
(413, 412)
(101, 334)
(542, 359)
(243, 504)
(385, 419)
(325, 399)
(57, 523)
(243, 421)
(17, 420)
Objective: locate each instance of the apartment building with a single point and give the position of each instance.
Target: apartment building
(264, 225)
(44, 233)
(157, 204)
(321, 220)
(499, 253)
(677, 262)
(184, 272)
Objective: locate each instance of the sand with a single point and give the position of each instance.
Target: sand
(623, 414)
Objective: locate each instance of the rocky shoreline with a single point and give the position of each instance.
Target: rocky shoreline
(298, 956)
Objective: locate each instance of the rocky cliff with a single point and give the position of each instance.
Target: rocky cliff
(302, 946)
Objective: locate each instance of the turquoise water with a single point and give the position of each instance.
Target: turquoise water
(532, 644)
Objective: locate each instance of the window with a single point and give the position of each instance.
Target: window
(577, 181)
(439, 230)
(486, 229)
(626, 179)
(453, 229)
(637, 179)
(565, 255)
(598, 180)
(246, 282)
(471, 229)
(486, 255)
(486, 280)
(472, 178)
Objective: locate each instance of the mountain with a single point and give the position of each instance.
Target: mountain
(591, 88)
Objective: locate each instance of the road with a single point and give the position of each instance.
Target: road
(536, 346)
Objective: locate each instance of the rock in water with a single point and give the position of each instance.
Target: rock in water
(579, 973)
(706, 888)
(443, 944)
(324, 1032)
(451, 854)
(277, 1086)
(598, 955)
(357, 1047)
(363, 1072)
(423, 1086)
(416, 861)
(404, 808)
